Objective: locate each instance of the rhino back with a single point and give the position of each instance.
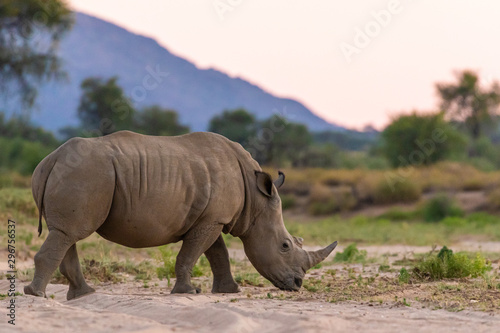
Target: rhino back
(166, 185)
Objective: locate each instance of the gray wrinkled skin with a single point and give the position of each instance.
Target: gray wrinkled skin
(143, 191)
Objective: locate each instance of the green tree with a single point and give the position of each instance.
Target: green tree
(468, 102)
(420, 139)
(104, 107)
(282, 142)
(29, 34)
(154, 120)
(238, 125)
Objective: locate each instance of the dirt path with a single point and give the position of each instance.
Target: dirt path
(129, 307)
(146, 312)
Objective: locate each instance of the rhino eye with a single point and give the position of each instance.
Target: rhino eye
(285, 246)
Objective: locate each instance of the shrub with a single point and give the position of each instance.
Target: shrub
(448, 265)
(404, 276)
(21, 155)
(350, 254)
(439, 207)
(325, 200)
(420, 139)
(387, 192)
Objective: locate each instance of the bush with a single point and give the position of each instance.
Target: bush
(21, 155)
(439, 207)
(387, 192)
(350, 254)
(420, 139)
(326, 200)
(448, 265)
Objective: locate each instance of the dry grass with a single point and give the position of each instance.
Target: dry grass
(386, 186)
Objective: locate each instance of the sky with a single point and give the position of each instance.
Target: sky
(354, 63)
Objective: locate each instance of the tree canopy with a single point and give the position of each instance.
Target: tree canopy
(104, 107)
(468, 102)
(29, 34)
(420, 139)
(238, 125)
(154, 120)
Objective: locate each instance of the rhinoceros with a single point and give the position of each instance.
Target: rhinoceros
(145, 191)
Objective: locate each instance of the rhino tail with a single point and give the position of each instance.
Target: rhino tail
(38, 184)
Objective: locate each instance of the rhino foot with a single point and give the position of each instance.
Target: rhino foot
(28, 290)
(185, 289)
(226, 288)
(77, 293)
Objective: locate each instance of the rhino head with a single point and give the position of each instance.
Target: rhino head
(277, 255)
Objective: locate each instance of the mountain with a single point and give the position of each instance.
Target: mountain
(98, 48)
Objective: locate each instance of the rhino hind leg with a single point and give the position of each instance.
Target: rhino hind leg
(194, 244)
(70, 268)
(218, 258)
(47, 259)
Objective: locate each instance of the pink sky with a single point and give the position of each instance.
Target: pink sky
(293, 48)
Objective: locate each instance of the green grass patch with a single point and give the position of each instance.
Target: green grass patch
(18, 202)
(367, 230)
(168, 257)
(396, 214)
(351, 254)
(446, 265)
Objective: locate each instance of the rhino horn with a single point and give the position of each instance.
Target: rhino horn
(315, 257)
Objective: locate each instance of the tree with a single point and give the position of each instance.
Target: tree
(282, 142)
(237, 125)
(420, 139)
(157, 121)
(29, 34)
(467, 101)
(103, 106)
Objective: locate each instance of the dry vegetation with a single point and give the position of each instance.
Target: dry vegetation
(326, 191)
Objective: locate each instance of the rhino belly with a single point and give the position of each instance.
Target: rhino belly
(145, 227)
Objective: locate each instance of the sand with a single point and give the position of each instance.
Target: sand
(116, 312)
(129, 307)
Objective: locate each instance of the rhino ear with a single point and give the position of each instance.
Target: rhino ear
(264, 183)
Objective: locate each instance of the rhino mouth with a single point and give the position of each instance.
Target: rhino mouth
(292, 284)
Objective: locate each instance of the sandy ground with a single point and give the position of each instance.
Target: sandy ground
(146, 312)
(128, 307)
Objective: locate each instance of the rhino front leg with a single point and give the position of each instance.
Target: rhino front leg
(194, 244)
(218, 257)
(47, 259)
(70, 268)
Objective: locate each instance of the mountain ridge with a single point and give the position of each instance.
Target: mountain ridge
(95, 47)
